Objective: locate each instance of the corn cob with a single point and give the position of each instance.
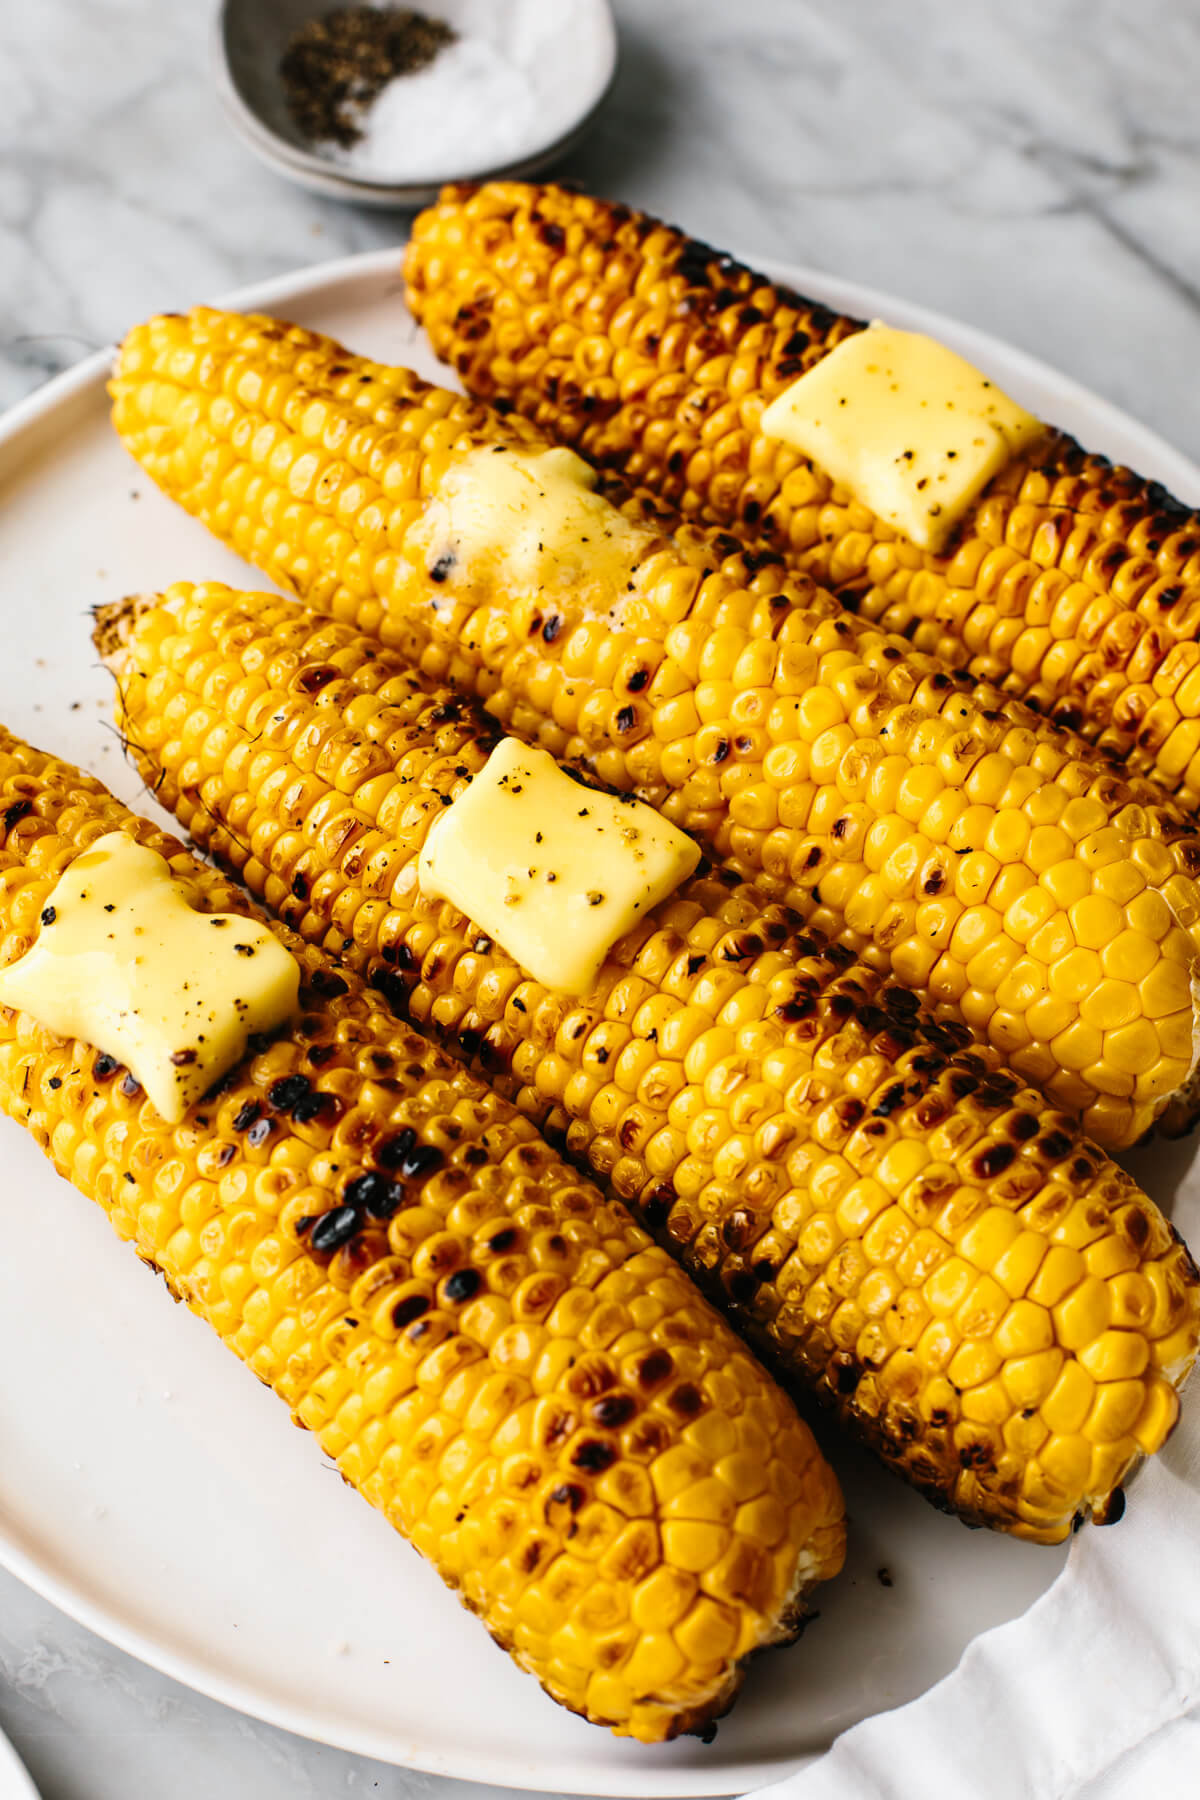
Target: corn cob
(1074, 583)
(993, 867)
(891, 1216)
(495, 1355)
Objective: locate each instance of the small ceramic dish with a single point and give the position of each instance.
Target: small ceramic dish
(552, 60)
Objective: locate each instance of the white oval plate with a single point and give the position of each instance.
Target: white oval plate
(154, 1491)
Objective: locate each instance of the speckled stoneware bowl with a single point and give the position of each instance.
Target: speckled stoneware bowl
(567, 48)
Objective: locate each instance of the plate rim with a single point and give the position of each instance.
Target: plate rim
(66, 390)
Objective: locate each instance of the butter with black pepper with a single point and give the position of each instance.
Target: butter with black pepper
(555, 872)
(528, 521)
(124, 962)
(912, 429)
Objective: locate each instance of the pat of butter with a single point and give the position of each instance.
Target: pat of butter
(527, 521)
(125, 963)
(555, 872)
(913, 430)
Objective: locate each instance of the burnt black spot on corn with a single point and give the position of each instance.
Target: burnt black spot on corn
(854, 1180)
(423, 1399)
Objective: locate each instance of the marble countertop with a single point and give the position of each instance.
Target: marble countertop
(1032, 169)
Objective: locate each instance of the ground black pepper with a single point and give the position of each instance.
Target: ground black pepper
(336, 65)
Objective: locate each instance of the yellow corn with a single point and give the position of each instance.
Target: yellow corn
(494, 1355)
(1073, 582)
(997, 870)
(891, 1215)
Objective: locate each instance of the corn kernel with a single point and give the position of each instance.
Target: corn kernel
(1166, 989)
(1067, 1405)
(654, 1663)
(975, 1362)
(1129, 956)
(1133, 1049)
(1024, 1330)
(709, 1633)
(949, 1285)
(1111, 1004)
(763, 1521)
(985, 1242)
(1132, 1300)
(988, 1404)
(1075, 975)
(1115, 1411)
(694, 1545)
(1016, 1267)
(1030, 1378)
(1062, 1269)
(1083, 1315)
(1157, 1416)
(661, 1600)
(1067, 1461)
(1172, 1354)
(1116, 1356)
(1048, 845)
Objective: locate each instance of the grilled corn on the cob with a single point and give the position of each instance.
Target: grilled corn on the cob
(494, 1354)
(994, 868)
(985, 1298)
(1073, 582)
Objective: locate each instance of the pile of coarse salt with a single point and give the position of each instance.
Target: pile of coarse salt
(468, 108)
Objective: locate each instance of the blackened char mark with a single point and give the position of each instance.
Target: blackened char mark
(333, 1229)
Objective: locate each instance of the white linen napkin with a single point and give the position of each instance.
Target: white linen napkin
(1085, 1696)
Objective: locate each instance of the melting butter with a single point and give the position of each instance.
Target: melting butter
(913, 430)
(124, 962)
(528, 522)
(553, 871)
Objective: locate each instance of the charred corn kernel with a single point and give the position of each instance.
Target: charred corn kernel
(758, 1154)
(682, 681)
(1071, 581)
(392, 1162)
